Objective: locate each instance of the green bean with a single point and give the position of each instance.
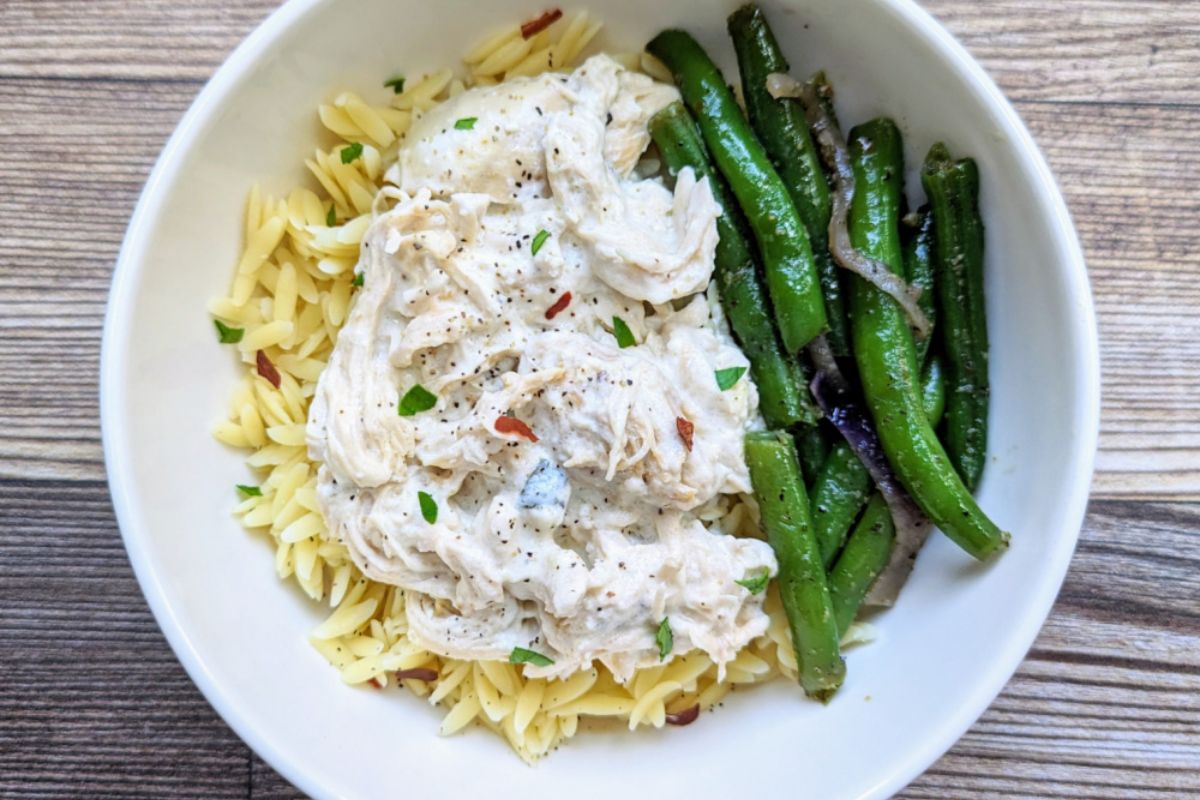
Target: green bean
(782, 239)
(953, 187)
(812, 446)
(783, 131)
(783, 397)
(918, 269)
(933, 390)
(838, 495)
(783, 506)
(886, 355)
(865, 555)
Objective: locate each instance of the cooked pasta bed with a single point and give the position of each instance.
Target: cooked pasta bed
(290, 297)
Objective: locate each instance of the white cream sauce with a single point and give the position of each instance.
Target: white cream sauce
(577, 545)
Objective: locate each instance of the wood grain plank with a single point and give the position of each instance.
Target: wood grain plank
(134, 39)
(1113, 680)
(1082, 50)
(93, 704)
(1132, 202)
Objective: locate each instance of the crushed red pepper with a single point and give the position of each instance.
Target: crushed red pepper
(559, 304)
(513, 425)
(686, 428)
(536, 26)
(267, 369)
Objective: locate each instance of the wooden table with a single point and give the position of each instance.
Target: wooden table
(92, 702)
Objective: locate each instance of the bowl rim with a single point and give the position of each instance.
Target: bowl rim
(131, 263)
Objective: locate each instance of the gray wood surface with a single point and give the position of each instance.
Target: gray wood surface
(92, 702)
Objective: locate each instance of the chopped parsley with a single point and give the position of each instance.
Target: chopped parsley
(351, 152)
(396, 84)
(755, 585)
(520, 655)
(249, 491)
(228, 335)
(416, 400)
(664, 638)
(429, 507)
(623, 334)
(538, 241)
(331, 216)
(358, 279)
(465, 124)
(727, 377)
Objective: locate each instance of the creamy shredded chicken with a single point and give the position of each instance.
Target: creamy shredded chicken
(576, 545)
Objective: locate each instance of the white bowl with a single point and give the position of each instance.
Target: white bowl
(944, 652)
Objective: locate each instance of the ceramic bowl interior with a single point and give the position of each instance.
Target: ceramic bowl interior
(942, 654)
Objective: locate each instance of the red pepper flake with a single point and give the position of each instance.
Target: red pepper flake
(685, 717)
(418, 674)
(686, 428)
(536, 26)
(267, 369)
(513, 425)
(378, 684)
(559, 305)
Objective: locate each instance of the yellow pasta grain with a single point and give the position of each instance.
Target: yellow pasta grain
(502, 676)
(529, 702)
(365, 118)
(304, 554)
(503, 58)
(652, 704)
(347, 618)
(491, 43)
(231, 434)
(596, 705)
(338, 121)
(287, 434)
(252, 425)
(264, 336)
(286, 295)
(450, 681)
(337, 585)
(303, 528)
(465, 710)
(713, 694)
(561, 692)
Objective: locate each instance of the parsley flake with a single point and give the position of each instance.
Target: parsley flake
(623, 334)
(538, 241)
(755, 585)
(465, 124)
(226, 334)
(396, 84)
(358, 279)
(727, 377)
(520, 655)
(249, 491)
(331, 216)
(351, 152)
(416, 400)
(429, 507)
(664, 638)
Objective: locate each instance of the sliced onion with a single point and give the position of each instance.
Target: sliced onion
(825, 362)
(685, 717)
(781, 85)
(912, 526)
(836, 156)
